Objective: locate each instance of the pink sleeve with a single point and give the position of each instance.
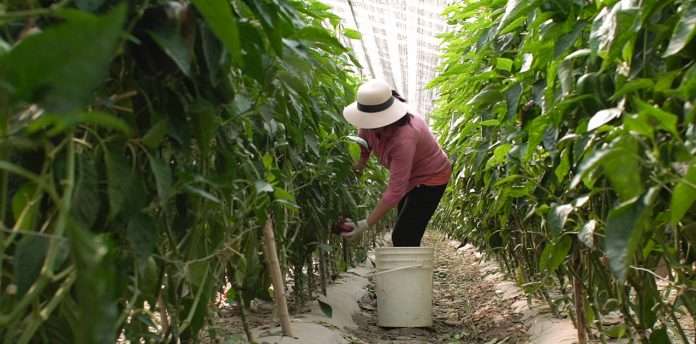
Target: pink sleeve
(399, 171)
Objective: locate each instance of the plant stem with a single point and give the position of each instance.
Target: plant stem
(299, 285)
(199, 295)
(164, 316)
(322, 271)
(46, 273)
(549, 301)
(346, 255)
(40, 317)
(677, 325)
(4, 155)
(242, 313)
(579, 301)
(34, 12)
(310, 276)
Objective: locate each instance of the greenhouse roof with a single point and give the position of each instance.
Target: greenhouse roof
(399, 43)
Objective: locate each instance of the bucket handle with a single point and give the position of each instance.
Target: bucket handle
(395, 269)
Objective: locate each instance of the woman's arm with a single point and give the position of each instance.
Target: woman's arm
(378, 213)
(399, 175)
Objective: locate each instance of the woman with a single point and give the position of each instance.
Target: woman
(418, 168)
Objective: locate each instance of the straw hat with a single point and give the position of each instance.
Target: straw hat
(375, 107)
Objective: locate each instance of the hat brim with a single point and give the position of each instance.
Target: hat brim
(372, 120)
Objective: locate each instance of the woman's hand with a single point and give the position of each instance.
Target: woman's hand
(358, 228)
(358, 168)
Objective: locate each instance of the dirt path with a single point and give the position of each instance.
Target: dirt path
(467, 306)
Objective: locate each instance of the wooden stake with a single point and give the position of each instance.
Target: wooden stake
(269, 248)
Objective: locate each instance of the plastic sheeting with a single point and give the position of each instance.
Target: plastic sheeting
(399, 42)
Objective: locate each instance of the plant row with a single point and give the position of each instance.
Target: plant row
(572, 126)
(144, 144)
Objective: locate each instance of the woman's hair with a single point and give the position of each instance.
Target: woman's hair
(406, 119)
(398, 96)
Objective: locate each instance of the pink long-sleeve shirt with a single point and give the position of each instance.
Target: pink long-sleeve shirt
(411, 154)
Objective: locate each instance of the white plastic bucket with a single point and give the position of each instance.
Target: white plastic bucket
(404, 283)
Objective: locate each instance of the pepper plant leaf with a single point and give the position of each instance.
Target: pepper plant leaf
(684, 194)
(218, 14)
(684, 31)
(61, 66)
(624, 228)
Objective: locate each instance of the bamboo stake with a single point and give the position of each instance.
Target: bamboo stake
(269, 247)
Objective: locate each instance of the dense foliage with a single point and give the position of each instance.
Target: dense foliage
(572, 125)
(143, 144)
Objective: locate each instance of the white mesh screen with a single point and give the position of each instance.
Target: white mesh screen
(399, 37)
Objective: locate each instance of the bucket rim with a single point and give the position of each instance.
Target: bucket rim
(405, 248)
(397, 251)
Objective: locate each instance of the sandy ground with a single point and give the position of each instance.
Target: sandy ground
(472, 303)
(467, 308)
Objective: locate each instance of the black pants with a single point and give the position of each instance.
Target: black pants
(414, 213)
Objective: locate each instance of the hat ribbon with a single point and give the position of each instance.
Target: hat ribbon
(376, 108)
